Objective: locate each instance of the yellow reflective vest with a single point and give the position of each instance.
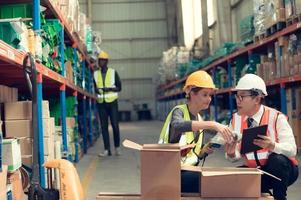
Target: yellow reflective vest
(191, 157)
(109, 82)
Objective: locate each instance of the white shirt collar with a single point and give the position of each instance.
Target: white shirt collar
(257, 116)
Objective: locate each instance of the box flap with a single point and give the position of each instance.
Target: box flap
(271, 175)
(188, 146)
(161, 146)
(131, 145)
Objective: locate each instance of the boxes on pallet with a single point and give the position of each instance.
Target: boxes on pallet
(11, 154)
(8, 94)
(69, 71)
(23, 128)
(23, 110)
(290, 8)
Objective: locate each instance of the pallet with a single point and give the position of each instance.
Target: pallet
(278, 26)
(260, 37)
(293, 19)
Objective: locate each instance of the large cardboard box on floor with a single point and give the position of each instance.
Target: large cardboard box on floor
(23, 110)
(185, 196)
(23, 128)
(160, 170)
(228, 182)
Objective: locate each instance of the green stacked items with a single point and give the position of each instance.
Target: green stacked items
(9, 35)
(246, 29)
(221, 78)
(51, 40)
(89, 39)
(181, 69)
(68, 54)
(239, 63)
(15, 11)
(55, 108)
(193, 65)
(226, 49)
(254, 60)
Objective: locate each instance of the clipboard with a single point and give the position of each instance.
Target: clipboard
(249, 135)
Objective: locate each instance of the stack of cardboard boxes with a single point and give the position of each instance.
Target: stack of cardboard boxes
(274, 66)
(293, 96)
(18, 124)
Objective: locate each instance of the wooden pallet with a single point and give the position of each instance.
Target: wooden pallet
(278, 26)
(293, 19)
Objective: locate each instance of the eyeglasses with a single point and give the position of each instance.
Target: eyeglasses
(241, 97)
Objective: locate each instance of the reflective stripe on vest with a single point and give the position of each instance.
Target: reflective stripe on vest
(191, 157)
(269, 117)
(109, 82)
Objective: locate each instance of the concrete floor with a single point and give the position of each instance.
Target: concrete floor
(122, 173)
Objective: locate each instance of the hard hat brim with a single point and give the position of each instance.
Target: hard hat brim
(245, 89)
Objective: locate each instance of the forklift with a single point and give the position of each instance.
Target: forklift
(70, 185)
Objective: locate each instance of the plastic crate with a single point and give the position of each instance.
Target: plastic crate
(15, 11)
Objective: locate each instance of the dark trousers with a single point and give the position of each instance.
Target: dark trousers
(107, 110)
(190, 182)
(280, 166)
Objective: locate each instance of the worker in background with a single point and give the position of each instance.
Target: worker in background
(108, 85)
(185, 125)
(279, 148)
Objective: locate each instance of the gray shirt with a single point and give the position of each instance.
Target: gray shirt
(178, 126)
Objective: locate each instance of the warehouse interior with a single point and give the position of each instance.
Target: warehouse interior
(66, 119)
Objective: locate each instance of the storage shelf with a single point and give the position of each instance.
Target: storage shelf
(246, 50)
(279, 81)
(11, 65)
(54, 12)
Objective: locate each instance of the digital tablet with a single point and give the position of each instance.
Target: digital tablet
(248, 137)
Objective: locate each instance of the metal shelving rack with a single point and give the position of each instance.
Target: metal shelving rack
(49, 82)
(227, 60)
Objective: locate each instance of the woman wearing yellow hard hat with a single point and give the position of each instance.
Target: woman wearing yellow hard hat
(184, 125)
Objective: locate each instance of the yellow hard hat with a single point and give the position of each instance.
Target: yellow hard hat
(103, 55)
(199, 79)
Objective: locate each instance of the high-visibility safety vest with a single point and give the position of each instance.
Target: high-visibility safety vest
(191, 157)
(269, 117)
(107, 97)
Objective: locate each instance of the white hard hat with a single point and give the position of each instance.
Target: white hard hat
(251, 82)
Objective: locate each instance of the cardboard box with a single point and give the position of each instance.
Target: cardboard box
(185, 196)
(11, 154)
(16, 182)
(26, 145)
(23, 110)
(3, 177)
(160, 170)
(70, 122)
(27, 160)
(23, 128)
(228, 182)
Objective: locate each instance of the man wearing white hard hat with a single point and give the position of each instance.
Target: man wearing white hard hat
(278, 152)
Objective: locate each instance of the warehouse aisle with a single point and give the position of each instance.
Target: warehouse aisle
(122, 173)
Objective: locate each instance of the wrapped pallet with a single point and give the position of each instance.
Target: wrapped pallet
(275, 12)
(259, 16)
